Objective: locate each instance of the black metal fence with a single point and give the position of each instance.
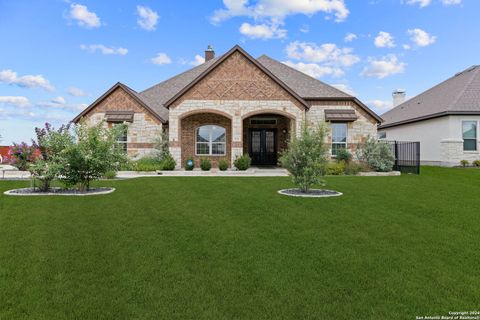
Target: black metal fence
(407, 156)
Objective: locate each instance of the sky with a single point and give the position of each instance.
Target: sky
(58, 56)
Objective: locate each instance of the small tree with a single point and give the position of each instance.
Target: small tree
(93, 155)
(307, 157)
(22, 155)
(376, 154)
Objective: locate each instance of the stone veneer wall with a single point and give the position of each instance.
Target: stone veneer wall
(357, 131)
(144, 129)
(452, 153)
(188, 139)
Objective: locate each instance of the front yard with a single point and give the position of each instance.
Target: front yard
(232, 248)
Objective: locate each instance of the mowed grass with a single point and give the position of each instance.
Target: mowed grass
(232, 248)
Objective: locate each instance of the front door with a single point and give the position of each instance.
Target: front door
(263, 149)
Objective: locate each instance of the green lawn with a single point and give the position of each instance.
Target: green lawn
(232, 248)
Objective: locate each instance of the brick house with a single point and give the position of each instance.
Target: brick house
(231, 105)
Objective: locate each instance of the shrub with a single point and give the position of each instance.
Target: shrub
(344, 155)
(189, 164)
(306, 157)
(336, 168)
(464, 163)
(110, 174)
(377, 155)
(243, 162)
(23, 155)
(147, 163)
(476, 163)
(353, 168)
(223, 164)
(205, 164)
(168, 163)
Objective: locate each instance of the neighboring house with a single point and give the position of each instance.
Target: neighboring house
(231, 105)
(445, 119)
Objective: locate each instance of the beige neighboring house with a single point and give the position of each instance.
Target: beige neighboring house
(231, 105)
(445, 119)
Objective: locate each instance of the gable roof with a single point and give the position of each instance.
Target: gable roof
(236, 48)
(134, 95)
(459, 94)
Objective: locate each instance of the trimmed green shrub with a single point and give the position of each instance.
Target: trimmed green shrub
(205, 164)
(336, 168)
(168, 163)
(189, 164)
(306, 157)
(464, 163)
(344, 155)
(376, 154)
(243, 162)
(353, 168)
(147, 163)
(110, 174)
(476, 163)
(223, 164)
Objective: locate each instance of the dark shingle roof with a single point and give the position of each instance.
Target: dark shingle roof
(459, 94)
(304, 85)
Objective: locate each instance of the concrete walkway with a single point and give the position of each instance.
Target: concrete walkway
(252, 172)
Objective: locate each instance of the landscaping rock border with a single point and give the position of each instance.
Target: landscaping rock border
(313, 193)
(28, 192)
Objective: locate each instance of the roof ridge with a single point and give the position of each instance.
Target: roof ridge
(304, 74)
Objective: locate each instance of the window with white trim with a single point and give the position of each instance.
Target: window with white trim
(122, 136)
(339, 137)
(469, 134)
(210, 140)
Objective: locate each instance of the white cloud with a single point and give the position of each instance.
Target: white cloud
(345, 88)
(76, 92)
(147, 18)
(380, 105)
(349, 37)
(421, 3)
(304, 28)
(315, 70)
(406, 46)
(16, 101)
(384, 67)
(83, 17)
(104, 49)
(421, 38)
(384, 40)
(279, 9)
(327, 53)
(27, 81)
(198, 60)
(451, 2)
(59, 100)
(263, 31)
(161, 58)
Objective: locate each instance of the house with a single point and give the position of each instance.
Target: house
(231, 105)
(445, 119)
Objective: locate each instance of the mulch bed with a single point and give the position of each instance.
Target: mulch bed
(58, 192)
(312, 193)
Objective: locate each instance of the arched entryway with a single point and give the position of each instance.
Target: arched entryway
(205, 135)
(266, 136)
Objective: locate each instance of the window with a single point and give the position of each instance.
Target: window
(339, 137)
(469, 131)
(122, 136)
(210, 140)
(382, 135)
(272, 121)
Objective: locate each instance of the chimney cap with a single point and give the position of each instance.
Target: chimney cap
(399, 91)
(209, 47)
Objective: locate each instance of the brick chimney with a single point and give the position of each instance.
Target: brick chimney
(398, 97)
(209, 53)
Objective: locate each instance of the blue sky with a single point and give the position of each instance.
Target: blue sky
(59, 56)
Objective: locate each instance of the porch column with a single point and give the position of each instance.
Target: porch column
(237, 136)
(174, 139)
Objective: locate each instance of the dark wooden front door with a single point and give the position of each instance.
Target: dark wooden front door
(263, 147)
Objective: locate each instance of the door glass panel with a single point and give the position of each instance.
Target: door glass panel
(269, 141)
(256, 141)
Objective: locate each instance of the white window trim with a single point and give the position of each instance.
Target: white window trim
(210, 143)
(346, 139)
(476, 138)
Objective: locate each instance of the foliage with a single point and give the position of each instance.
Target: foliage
(161, 145)
(94, 154)
(476, 163)
(376, 154)
(22, 155)
(344, 155)
(336, 168)
(223, 164)
(189, 164)
(168, 163)
(205, 164)
(147, 163)
(464, 163)
(112, 174)
(306, 157)
(352, 168)
(243, 162)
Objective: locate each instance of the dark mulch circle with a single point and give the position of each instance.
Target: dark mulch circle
(58, 192)
(312, 193)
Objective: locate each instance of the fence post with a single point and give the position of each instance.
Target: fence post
(396, 155)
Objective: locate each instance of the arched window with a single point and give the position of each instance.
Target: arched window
(210, 140)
